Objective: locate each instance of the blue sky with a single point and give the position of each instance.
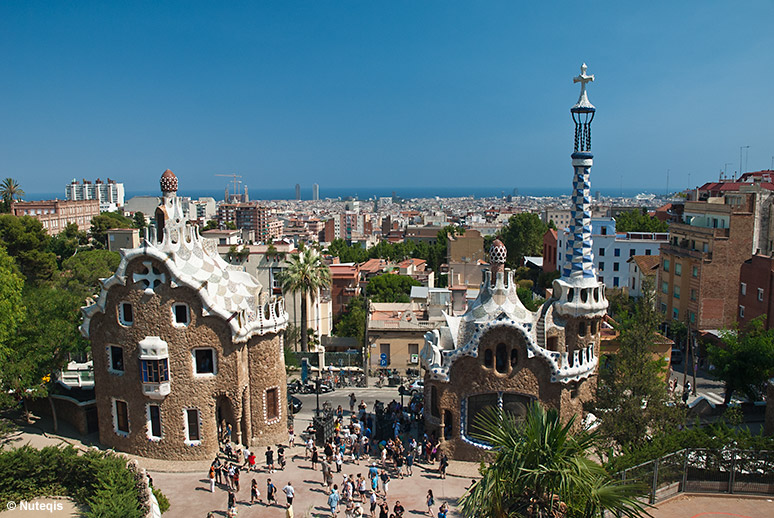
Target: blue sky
(369, 93)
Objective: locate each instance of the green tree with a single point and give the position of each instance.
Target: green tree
(12, 309)
(211, 225)
(306, 274)
(138, 221)
(10, 190)
(27, 243)
(632, 398)
(82, 272)
(639, 221)
(540, 469)
(66, 243)
(352, 321)
(104, 222)
(41, 346)
(745, 360)
(523, 235)
(391, 288)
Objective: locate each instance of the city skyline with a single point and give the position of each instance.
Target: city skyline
(418, 95)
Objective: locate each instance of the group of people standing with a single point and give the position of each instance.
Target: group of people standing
(360, 495)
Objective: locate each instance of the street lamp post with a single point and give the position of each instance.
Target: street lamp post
(317, 392)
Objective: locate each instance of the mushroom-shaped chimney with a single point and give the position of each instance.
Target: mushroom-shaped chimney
(168, 182)
(497, 255)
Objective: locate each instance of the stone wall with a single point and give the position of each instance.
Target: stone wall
(228, 387)
(529, 377)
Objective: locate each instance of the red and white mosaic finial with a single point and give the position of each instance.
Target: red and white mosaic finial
(168, 182)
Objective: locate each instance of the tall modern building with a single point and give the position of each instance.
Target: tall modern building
(315, 192)
(110, 194)
(298, 191)
(500, 355)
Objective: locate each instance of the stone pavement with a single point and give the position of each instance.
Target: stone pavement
(714, 506)
(190, 497)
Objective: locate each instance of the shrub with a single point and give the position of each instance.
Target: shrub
(162, 500)
(98, 480)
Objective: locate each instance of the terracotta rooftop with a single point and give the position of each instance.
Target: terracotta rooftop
(646, 263)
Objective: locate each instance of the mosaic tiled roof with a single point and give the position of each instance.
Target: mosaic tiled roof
(226, 291)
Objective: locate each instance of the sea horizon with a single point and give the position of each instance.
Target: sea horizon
(366, 193)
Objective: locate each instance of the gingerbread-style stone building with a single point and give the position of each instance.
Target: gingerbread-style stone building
(181, 342)
(499, 354)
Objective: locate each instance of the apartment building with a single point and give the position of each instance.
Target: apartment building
(55, 215)
(110, 194)
(612, 250)
(756, 290)
(699, 275)
(250, 216)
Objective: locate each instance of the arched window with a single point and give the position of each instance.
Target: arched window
(501, 361)
(488, 358)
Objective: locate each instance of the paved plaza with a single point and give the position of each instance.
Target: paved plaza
(187, 487)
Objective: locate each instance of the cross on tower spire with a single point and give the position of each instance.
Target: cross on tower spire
(583, 78)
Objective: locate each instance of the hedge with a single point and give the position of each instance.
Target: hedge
(99, 481)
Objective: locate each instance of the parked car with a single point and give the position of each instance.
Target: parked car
(294, 404)
(677, 356)
(416, 387)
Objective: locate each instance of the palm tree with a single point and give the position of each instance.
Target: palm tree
(306, 274)
(542, 470)
(9, 190)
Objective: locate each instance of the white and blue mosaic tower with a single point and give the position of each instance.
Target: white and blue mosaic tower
(579, 242)
(579, 292)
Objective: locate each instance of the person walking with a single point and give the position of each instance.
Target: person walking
(211, 476)
(271, 493)
(385, 477)
(333, 501)
(236, 479)
(231, 502)
(410, 463)
(315, 457)
(254, 493)
(443, 464)
(372, 503)
(352, 401)
(281, 456)
(218, 470)
(430, 502)
(291, 436)
(270, 459)
(289, 493)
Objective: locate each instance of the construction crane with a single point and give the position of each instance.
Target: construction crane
(235, 181)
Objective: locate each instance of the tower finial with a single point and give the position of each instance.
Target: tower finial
(583, 78)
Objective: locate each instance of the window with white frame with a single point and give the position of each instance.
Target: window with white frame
(760, 294)
(741, 311)
(116, 359)
(191, 425)
(154, 422)
(743, 287)
(204, 361)
(120, 417)
(180, 314)
(126, 314)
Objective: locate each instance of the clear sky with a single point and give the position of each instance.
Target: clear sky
(368, 93)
